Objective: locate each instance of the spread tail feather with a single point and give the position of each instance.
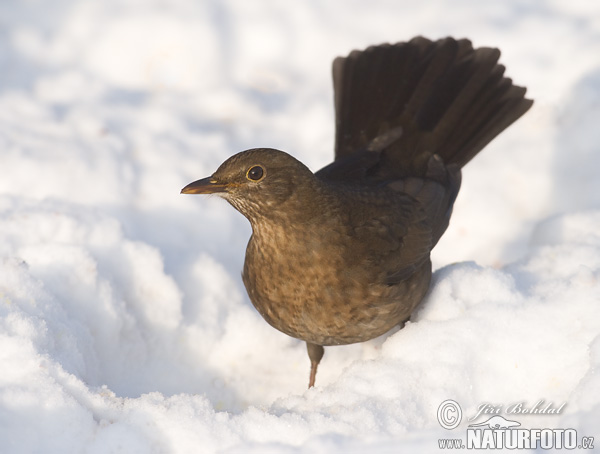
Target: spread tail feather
(411, 100)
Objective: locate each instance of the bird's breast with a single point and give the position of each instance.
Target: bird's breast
(307, 282)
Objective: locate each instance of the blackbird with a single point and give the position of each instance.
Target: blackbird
(343, 255)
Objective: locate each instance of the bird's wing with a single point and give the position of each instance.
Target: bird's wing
(396, 234)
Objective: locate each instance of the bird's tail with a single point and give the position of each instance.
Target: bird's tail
(411, 100)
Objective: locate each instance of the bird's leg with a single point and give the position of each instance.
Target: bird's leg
(315, 353)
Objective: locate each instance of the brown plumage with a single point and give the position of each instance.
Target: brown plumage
(342, 255)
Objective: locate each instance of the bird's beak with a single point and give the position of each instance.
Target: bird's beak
(204, 186)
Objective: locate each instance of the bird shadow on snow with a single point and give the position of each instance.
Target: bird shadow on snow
(572, 173)
(576, 183)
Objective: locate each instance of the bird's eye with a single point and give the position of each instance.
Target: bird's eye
(255, 173)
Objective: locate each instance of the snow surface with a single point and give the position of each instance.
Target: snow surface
(124, 325)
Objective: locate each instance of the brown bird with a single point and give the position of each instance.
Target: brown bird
(342, 255)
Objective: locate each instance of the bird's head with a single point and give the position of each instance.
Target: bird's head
(258, 182)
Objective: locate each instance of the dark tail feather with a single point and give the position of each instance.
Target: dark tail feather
(411, 100)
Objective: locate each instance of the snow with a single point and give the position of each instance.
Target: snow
(124, 325)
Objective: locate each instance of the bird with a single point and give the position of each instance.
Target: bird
(342, 255)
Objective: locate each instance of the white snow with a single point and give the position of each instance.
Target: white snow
(124, 325)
